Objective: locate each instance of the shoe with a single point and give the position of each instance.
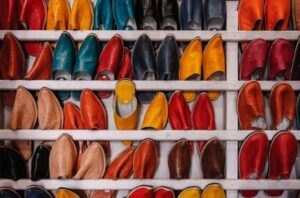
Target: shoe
(145, 160)
(277, 14)
(214, 14)
(179, 160)
(250, 15)
(125, 107)
(214, 63)
(42, 66)
(72, 117)
(190, 65)
(298, 113)
(86, 61)
(281, 58)
(62, 159)
(295, 71)
(58, 15)
(109, 62)
(33, 16)
(123, 11)
(65, 193)
(168, 14)
(9, 12)
(24, 116)
(146, 13)
(103, 15)
(282, 157)
(37, 192)
(63, 61)
(81, 16)
(203, 116)
(213, 159)
(163, 192)
(253, 60)
(141, 191)
(40, 162)
(13, 65)
(253, 156)
(282, 105)
(251, 107)
(192, 192)
(125, 70)
(296, 14)
(191, 15)
(144, 64)
(213, 190)
(8, 192)
(156, 116)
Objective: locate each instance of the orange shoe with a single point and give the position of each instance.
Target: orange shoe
(277, 14)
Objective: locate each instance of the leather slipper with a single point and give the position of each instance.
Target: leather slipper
(298, 112)
(123, 11)
(191, 192)
(191, 15)
(146, 15)
(213, 191)
(277, 14)
(126, 70)
(40, 163)
(296, 14)
(141, 191)
(58, 15)
(214, 14)
(163, 192)
(8, 192)
(295, 71)
(36, 192)
(9, 12)
(65, 193)
(168, 14)
(72, 117)
(81, 16)
(103, 16)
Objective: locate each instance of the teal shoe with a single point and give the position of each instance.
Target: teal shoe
(123, 11)
(86, 61)
(103, 15)
(63, 61)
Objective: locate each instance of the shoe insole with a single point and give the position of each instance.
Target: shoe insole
(217, 76)
(215, 23)
(255, 74)
(126, 109)
(259, 122)
(81, 76)
(284, 124)
(62, 75)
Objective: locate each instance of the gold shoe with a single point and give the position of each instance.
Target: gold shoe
(81, 17)
(213, 191)
(65, 193)
(58, 15)
(192, 192)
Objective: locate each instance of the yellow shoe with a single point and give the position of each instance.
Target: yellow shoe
(213, 191)
(81, 17)
(64, 193)
(156, 115)
(58, 15)
(190, 65)
(125, 107)
(193, 192)
(214, 63)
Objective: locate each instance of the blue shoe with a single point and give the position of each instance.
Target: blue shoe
(63, 62)
(37, 192)
(103, 15)
(86, 61)
(123, 11)
(214, 14)
(191, 15)
(6, 192)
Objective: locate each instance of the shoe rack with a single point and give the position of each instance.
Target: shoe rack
(225, 110)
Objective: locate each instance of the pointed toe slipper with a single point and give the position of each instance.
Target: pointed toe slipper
(103, 15)
(123, 11)
(277, 14)
(191, 192)
(168, 14)
(81, 16)
(191, 15)
(65, 193)
(37, 192)
(214, 14)
(146, 15)
(141, 191)
(58, 15)
(40, 163)
(126, 70)
(213, 190)
(8, 192)
(72, 117)
(9, 13)
(296, 14)
(163, 192)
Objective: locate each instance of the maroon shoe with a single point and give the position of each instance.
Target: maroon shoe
(125, 70)
(9, 12)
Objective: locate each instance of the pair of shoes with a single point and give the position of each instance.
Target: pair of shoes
(147, 67)
(254, 154)
(212, 190)
(212, 158)
(251, 106)
(30, 191)
(213, 59)
(255, 55)
(68, 64)
(195, 16)
(149, 192)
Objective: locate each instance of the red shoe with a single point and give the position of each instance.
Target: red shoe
(126, 70)
(277, 14)
(9, 12)
(141, 192)
(72, 117)
(163, 192)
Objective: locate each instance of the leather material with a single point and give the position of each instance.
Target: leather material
(63, 61)
(179, 112)
(58, 15)
(277, 14)
(190, 65)
(36, 192)
(213, 160)
(192, 192)
(141, 191)
(250, 105)
(8, 193)
(103, 17)
(281, 57)
(62, 159)
(145, 160)
(12, 65)
(13, 165)
(163, 192)
(65, 193)
(156, 116)
(214, 14)
(296, 14)
(33, 16)
(168, 59)
(23, 116)
(81, 16)
(123, 11)
(295, 71)
(191, 15)
(298, 113)
(214, 63)
(179, 160)
(250, 14)
(144, 65)
(282, 157)
(9, 12)
(253, 60)
(253, 155)
(203, 116)
(42, 66)
(40, 163)
(213, 190)
(146, 13)
(282, 105)
(49, 110)
(125, 70)
(86, 61)
(109, 62)
(72, 117)
(168, 14)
